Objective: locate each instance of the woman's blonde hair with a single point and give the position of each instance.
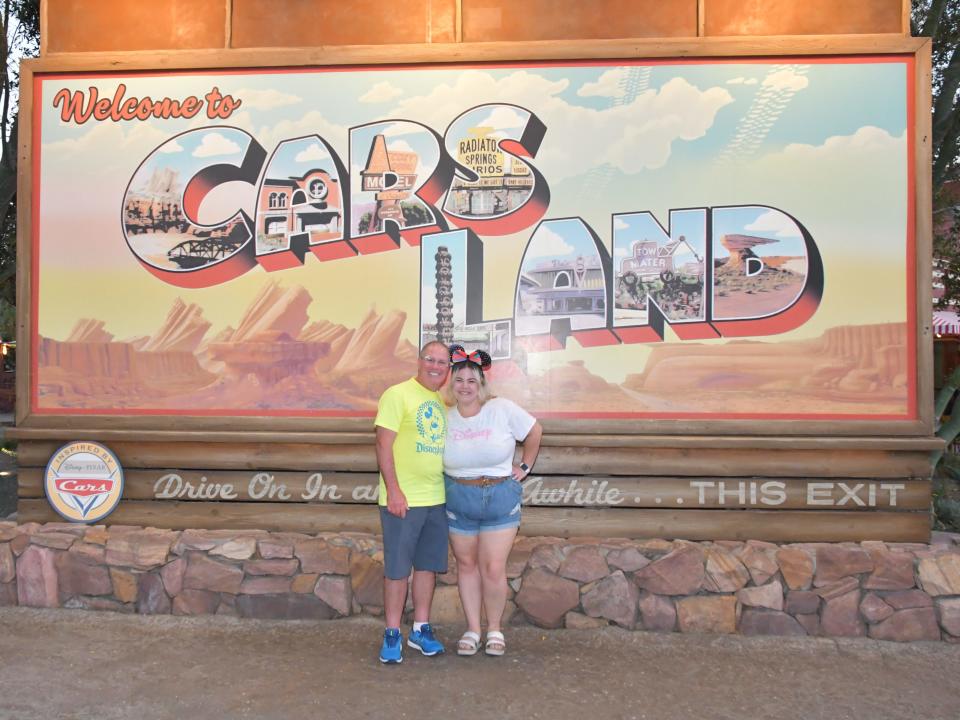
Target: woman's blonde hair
(484, 392)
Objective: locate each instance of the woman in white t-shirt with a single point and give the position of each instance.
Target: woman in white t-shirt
(483, 491)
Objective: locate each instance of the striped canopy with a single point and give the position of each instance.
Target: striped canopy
(946, 322)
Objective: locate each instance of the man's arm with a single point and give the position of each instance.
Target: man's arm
(396, 500)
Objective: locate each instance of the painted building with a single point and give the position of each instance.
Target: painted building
(307, 204)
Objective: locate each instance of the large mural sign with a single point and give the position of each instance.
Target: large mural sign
(629, 239)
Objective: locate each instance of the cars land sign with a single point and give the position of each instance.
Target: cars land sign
(83, 482)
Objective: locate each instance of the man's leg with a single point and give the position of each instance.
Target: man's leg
(424, 582)
(399, 543)
(430, 558)
(394, 598)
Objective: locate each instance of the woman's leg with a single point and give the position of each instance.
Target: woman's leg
(468, 577)
(494, 547)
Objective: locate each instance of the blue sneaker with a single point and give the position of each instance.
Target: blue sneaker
(392, 649)
(424, 641)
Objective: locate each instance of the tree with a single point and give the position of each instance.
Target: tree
(940, 20)
(20, 25)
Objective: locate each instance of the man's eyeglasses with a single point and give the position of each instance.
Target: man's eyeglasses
(430, 360)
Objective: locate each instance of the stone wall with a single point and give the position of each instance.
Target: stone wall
(887, 591)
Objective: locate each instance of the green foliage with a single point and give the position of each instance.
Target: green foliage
(940, 20)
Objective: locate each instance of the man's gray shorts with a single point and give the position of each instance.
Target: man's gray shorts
(418, 541)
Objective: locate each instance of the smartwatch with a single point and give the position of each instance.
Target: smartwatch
(525, 468)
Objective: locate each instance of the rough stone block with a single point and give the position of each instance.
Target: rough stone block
(949, 611)
(838, 588)
(240, 548)
(37, 582)
(271, 548)
(802, 602)
(584, 564)
(548, 556)
(766, 596)
(907, 626)
(140, 549)
(172, 575)
(91, 553)
(319, 556)
(279, 566)
(124, 585)
(841, 616)
(8, 594)
(835, 562)
(874, 609)
(628, 559)
(366, 579)
(657, 612)
(759, 560)
(680, 572)
(196, 602)
(892, 571)
(904, 599)
(8, 566)
(306, 583)
(724, 572)
(77, 577)
(765, 622)
(707, 614)
(796, 566)
(810, 623)
(614, 598)
(205, 574)
(940, 575)
(335, 591)
(546, 598)
(152, 600)
(265, 585)
(55, 540)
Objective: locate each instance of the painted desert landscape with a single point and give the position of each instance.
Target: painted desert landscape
(275, 360)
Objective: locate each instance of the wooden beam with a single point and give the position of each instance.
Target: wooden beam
(685, 462)
(775, 494)
(25, 212)
(923, 232)
(771, 46)
(913, 444)
(785, 526)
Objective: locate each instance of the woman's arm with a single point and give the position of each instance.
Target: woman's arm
(531, 448)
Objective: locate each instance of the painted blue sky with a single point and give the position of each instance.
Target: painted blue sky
(823, 141)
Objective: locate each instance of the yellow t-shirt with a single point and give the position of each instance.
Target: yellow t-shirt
(418, 417)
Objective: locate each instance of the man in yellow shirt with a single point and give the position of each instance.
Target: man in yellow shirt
(411, 427)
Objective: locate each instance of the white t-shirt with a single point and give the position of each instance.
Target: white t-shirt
(484, 445)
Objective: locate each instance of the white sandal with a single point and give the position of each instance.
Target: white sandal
(495, 644)
(468, 644)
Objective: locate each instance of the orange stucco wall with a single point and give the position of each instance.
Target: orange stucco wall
(117, 25)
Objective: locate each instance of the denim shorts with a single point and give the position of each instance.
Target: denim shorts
(418, 540)
(473, 509)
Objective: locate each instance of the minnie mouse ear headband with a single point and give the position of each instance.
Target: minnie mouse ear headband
(480, 358)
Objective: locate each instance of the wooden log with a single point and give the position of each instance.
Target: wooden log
(814, 45)
(785, 526)
(701, 462)
(64, 435)
(70, 426)
(540, 490)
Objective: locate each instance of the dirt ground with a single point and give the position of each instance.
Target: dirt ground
(81, 664)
